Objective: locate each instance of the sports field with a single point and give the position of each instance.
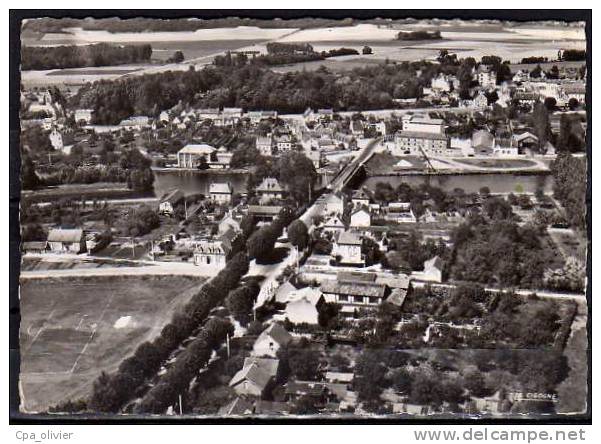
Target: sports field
(74, 328)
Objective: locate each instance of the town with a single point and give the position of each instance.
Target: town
(422, 255)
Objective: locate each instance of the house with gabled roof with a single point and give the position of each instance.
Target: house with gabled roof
(334, 225)
(330, 203)
(228, 222)
(221, 193)
(269, 189)
(271, 340)
(359, 198)
(265, 145)
(169, 201)
(353, 295)
(66, 240)
(302, 306)
(214, 253)
(432, 270)
(281, 294)
(347, 249)
(360, 218)
(265, 213)
(255, 377)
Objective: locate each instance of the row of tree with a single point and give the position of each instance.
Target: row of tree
(74, 56)
(570, 187)
(112, 392)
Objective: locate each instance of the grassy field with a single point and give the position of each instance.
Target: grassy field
(200, 48)
(72, 329)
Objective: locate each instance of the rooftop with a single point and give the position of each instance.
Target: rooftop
(348, 238)
(199, 149)
(220, 188)
(65, 235)
(353, 288)
(421, 135)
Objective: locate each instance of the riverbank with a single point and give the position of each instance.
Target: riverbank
(461, 173)
(208, 171)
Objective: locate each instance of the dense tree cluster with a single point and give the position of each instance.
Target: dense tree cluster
(534, 59)
(251, 87)
(573, 55)
(419, 35)
(239, 301)
(570, 174)
(145, 24)
(497, 251)
(99, 54)
(571, 133)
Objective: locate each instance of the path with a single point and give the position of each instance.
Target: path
(578, 297)
(115, 268)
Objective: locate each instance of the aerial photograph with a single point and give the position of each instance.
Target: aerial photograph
(300, 218)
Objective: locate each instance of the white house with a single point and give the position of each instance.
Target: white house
(330, 204)
(432, 270)
(284, 143)
(84, 115)
(419, 142)
(190, 155)
(229, 222)
(214, 252)
(56, 140)
(269, 189)
(360, 219)
(164, 116)
(220, 193)
(359, 198)
(169, 201)
(442, 83)
(400, 212)
(348, 249)
(303, 305)
(486, 76)
(265, 145)
(334, 225)
(421, 123)
(271, 340)
(353, 295)
(63, 240)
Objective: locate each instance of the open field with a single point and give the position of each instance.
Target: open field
(72, 329)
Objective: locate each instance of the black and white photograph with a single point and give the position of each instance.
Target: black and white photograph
(378, 216)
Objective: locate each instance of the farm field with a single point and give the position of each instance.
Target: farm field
(73, 329)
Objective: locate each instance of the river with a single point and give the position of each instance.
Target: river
(471, 183)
